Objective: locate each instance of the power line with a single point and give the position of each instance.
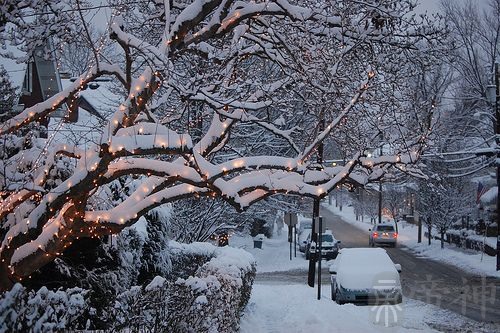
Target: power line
(81, 9)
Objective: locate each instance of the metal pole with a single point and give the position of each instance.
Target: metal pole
(497, 117)
(290, 235)
(320, 234)
(380, 196)
(312, 259)
(314, 236)
(295, 241)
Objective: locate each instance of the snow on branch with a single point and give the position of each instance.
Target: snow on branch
(205, 123)
(50, 105)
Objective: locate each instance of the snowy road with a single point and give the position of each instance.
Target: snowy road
(430, 281)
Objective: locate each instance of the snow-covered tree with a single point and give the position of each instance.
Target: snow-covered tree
(8, 95)
(393, 197)
(471, 120)
(227, 99)
(442, 200)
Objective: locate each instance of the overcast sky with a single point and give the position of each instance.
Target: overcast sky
(432, 6)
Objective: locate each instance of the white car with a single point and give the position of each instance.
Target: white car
(304, 238)
(383, 234)
(305, 226)
(365, 275)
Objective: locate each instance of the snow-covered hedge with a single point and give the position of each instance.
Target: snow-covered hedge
(207, 291)
(44, 311)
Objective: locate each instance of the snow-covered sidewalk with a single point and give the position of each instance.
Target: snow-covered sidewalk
(295, 309)
(467, 260)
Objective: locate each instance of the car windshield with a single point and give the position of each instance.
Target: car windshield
(306, 225)
(385, 228)
(327, 238)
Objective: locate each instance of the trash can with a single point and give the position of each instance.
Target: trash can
(257, 241)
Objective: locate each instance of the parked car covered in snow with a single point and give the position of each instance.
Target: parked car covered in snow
(365, 275)
(305, 226)
(383, 234)
(304, 239)
(329, 246)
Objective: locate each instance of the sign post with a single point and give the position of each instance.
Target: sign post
(320, 230)
(416, 218)
(291, 221)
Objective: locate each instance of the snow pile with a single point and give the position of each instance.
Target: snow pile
(44, 310)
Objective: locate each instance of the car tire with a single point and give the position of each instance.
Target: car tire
(307, 256)
(337, 298)
(398, 300)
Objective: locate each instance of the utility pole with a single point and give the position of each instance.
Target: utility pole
(493, 96)
(380, 196)
(497, 132)
(314, 236)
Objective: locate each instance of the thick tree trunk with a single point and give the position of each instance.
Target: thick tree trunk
(5, 282)
(442, 239)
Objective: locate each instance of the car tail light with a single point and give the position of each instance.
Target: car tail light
(395, 235)
(375, 234)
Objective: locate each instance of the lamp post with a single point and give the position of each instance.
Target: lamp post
(493, 96)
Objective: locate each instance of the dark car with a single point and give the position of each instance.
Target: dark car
(329, 246)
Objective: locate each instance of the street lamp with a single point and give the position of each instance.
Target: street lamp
(493, 96)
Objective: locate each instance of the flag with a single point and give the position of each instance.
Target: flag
(481, 189)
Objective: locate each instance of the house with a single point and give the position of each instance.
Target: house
(39, 79)
(35, 80)
(88, 115)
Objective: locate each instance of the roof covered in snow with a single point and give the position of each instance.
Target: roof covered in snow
(490, 195)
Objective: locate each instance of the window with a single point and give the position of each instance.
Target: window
(28, 79)
(327, 238)
(385, 228)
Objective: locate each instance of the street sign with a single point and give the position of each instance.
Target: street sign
(290, 219)
(317, 224)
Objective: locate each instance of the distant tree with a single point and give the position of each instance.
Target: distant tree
(470, 121)
(443, 200)
(393, 196)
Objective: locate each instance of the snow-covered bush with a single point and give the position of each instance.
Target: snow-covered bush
(44, 310)
(212, 299)
(207, 295)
